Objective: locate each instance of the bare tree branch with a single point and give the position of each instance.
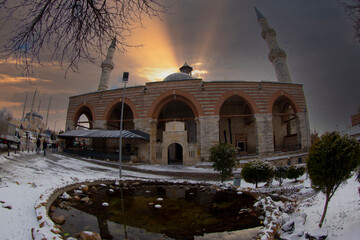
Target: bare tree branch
(67, 31)
(352, 9)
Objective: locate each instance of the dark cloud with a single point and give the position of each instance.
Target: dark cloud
(225, 38)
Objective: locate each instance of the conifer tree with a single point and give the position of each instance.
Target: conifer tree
(222, 156)
(294, 172)
(331, 161)
(257, 171)
(280, 173)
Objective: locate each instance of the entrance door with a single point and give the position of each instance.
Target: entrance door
(175, 154)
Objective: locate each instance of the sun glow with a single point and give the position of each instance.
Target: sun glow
(156, 74)
(155, 59)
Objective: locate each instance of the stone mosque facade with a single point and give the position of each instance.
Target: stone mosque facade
(185, 116)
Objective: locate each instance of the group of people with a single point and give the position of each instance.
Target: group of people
(44, 144)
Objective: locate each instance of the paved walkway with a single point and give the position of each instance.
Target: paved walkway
(173, 172)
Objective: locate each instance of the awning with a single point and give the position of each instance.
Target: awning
(126, 134)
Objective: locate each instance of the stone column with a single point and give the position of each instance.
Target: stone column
(303, 131)
(209, 135)
(70, 125)
(264, 134)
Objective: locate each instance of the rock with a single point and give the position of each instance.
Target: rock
(320, 234)
(294, 236)
(86, 235)
(85, 199)
(214, 187)
(303, 216)
(65, 195)
(289, 226)
(85, 188)
(58, 219)
(285, 218)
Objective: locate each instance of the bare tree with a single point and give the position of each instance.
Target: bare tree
(352, 8)
(67, 31)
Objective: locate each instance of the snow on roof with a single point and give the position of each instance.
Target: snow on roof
(178, 76)
(132, 134)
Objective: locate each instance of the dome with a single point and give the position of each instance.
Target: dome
(178, 76)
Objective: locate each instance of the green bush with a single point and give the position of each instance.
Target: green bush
(295, 171)
(257, 171)
(280, 173)
(222, 156)
(331, 161)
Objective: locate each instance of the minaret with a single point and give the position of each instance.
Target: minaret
(277, 56)
(107, 65)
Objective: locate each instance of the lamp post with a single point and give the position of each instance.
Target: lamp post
(55, 125)
(124, 80)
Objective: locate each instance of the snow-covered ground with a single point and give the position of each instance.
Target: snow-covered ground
(24, 177)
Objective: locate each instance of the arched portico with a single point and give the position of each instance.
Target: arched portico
(285, 124)
(237, 124)
(113, 117)
(83, 118)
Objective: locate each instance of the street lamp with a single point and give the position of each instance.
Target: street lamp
(55, 125)
(124, 80)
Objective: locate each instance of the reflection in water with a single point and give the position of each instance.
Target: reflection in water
(186, 212)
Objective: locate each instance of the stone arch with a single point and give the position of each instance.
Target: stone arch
(239, 93)
(237, 124)
(283, 93)
(285, 123)
(113, 104)
(87, 110)
(166, 97)
(175, 153)
(112, 114)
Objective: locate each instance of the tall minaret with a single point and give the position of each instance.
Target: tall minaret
(107, 65)
(277, 56)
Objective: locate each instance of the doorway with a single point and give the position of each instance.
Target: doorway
(175, 154)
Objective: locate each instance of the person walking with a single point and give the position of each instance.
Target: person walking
(44, 147)
(38, 144)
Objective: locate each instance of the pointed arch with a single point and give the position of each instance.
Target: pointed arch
(227, 95)
(84, 109)
(282, 93)
(113, 104)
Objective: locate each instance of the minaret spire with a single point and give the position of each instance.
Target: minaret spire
(277, 55)
(107, 65)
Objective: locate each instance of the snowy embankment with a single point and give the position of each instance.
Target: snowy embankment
(27, 180)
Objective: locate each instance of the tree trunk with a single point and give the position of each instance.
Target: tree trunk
(255, 184)
(325, 209)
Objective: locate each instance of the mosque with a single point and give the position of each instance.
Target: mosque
(178, 120)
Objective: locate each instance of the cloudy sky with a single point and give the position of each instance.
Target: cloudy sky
(221, 40)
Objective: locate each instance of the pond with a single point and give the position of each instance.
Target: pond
(150, 210)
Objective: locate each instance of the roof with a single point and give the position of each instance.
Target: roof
(178, 76)
(258, 13)
(128, 134)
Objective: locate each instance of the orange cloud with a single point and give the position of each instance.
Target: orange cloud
(7, 79)
(156, 56)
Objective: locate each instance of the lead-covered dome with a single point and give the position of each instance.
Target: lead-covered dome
(178, 76)
(184, 74)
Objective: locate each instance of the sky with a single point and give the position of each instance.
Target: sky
(221, 40)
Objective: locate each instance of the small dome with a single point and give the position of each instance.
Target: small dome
(178, 76)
